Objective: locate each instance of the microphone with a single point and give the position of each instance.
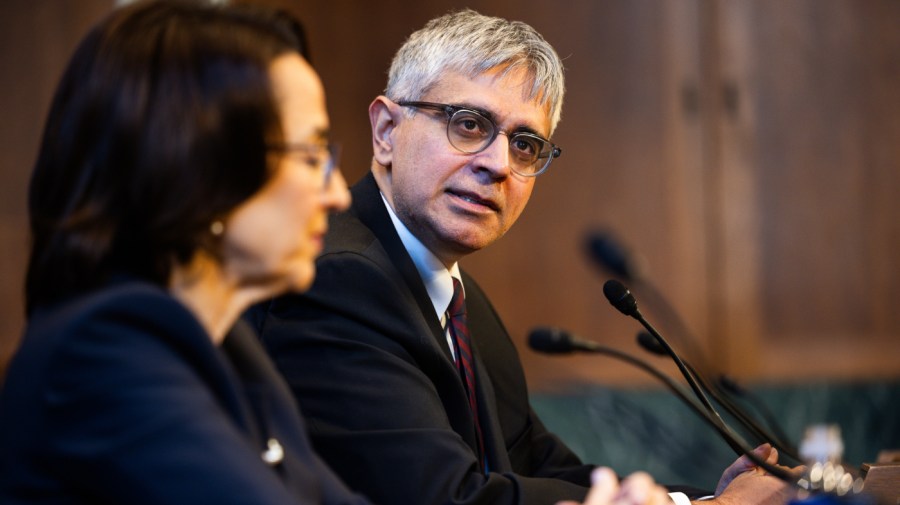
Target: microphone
(557, 341)
(607, 252)
(648, 343)
(622, 299)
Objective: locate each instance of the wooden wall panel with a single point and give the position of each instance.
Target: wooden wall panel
(748, 151)
(36, 40)
(810, 170)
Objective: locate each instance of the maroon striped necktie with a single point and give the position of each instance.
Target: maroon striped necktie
(465, 362)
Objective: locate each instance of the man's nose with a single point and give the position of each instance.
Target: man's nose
(495, 157)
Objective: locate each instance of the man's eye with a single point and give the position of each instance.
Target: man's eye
(470, 125)
(524, 146)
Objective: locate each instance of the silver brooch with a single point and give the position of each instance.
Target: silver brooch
(274, 454)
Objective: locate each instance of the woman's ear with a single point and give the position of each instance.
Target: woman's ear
(382, 117)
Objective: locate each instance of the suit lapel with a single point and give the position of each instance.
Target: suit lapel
(243, 361)
(369, 208)
(494, 442)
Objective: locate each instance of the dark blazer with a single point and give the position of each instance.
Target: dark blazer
(368, 361)
(120, 396)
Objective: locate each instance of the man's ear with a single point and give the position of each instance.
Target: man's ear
(382, 116)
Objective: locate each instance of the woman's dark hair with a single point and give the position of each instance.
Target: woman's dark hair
(158, 128)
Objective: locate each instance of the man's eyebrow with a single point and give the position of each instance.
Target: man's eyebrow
(477, 109)
(528, 129)
(490, 115)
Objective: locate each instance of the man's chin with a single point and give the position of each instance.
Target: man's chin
(469, 244)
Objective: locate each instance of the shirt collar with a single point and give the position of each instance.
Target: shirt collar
(437, 278)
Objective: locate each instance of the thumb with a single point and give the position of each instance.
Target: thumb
(764, 452)
(773, 456)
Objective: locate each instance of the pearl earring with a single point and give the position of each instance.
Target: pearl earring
(217, 228)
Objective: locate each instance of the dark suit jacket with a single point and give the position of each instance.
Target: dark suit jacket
(367, 359)
(120, 396)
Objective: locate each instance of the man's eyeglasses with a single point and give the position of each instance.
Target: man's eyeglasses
(320, 157)
(471, 132)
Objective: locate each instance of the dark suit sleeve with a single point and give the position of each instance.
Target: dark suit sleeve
(124, 403)
(369, 377)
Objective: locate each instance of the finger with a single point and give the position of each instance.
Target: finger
(763, 451)
(636, 489)
(773, 456)
(604, 486)
(796, 471)
(660, 496)
(740, 466)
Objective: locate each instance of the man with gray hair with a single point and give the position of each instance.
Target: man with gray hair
(412, 387)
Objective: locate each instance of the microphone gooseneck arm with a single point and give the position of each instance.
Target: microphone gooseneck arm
(729, 386)
(622, 299)
(608, 252)
(556, 341)
(650, 344)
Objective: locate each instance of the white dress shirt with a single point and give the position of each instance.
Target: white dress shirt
(437, 278)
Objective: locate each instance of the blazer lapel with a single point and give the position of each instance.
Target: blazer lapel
(265, 393)
(368, 207)
(494, 441)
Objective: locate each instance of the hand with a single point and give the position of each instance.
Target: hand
(636, 489)
(745, 483)
(744, 463)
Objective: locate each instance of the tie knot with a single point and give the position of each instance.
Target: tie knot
(457, 306)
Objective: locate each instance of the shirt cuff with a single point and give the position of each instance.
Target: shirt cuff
(682, 499)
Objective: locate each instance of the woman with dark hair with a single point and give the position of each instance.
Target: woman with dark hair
(184, 174)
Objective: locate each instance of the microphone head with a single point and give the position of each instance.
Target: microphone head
(731, 385)
(649, 343)
(620, 298)
(609, 253)
(550, 341)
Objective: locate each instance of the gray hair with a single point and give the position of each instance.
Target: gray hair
(472, 44)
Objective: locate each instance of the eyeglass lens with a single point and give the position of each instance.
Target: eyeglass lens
(333, 161)
(471, 133)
